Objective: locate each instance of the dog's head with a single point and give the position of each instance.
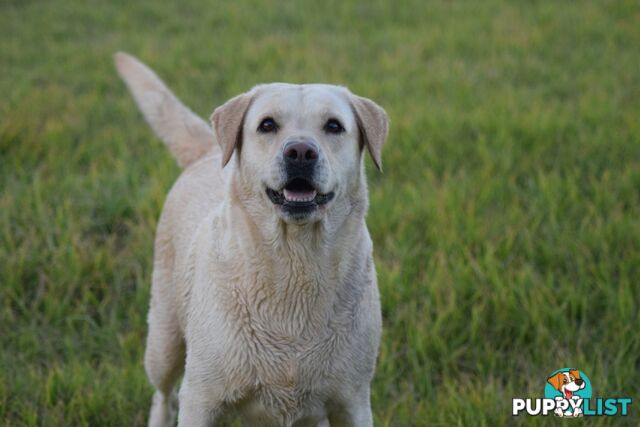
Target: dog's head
(299, 147)
(567, 382)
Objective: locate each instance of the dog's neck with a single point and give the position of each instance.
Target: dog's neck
(305, 269)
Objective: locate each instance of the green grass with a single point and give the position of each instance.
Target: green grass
(506, 223)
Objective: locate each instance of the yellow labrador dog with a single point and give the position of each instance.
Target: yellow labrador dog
(264, 290)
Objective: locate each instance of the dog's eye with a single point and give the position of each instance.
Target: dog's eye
(333, 126)
(268, 125)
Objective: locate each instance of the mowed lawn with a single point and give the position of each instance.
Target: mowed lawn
(506, 223)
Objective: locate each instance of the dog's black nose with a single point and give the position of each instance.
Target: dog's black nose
(579, 382)
(300, 153)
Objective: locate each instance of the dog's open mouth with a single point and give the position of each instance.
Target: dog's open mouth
(299, 193)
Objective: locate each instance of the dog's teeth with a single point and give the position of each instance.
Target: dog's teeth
(306, 196)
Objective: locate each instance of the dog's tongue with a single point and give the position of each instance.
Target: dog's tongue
(299, 196)
(568, 394)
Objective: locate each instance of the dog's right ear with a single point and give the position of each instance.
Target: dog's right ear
(227, 121)
(555, 380)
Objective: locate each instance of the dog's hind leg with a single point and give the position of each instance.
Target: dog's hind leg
(165, 352)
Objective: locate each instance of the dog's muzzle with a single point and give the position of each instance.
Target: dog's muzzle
(299, 196)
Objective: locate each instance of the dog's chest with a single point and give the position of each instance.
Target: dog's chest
(291, 381)
(289, 371)
(290, 342)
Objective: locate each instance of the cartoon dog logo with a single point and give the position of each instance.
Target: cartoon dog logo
(567, 383)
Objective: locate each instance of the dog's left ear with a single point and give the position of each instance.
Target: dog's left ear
(373, 125)
(575, 373)
(227, 121)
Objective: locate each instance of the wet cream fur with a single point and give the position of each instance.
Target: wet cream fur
(279, 320)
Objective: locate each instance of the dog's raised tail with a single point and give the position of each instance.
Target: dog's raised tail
(187, 135)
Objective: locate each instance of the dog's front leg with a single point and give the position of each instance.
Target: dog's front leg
(199, 404)
(352, 411)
